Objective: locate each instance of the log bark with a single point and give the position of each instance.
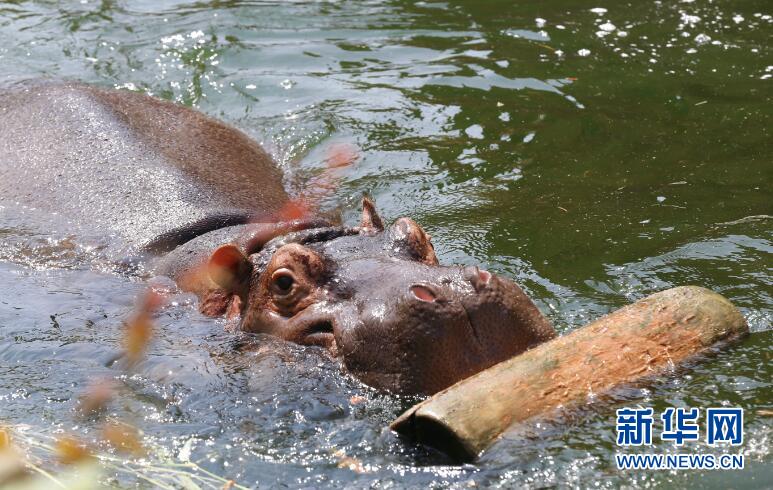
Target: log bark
(643, 339)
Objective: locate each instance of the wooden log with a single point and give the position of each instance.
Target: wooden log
(641, 339)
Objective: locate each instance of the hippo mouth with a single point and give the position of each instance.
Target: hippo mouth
(472, 327)
(316, 330)
(320, 333)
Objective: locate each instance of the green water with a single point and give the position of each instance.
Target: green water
(596, 157)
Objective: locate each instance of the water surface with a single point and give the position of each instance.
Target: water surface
(595, 152)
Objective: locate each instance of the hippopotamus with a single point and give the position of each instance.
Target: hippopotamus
(197, 200)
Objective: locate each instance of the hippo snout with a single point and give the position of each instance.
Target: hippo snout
(420, 332)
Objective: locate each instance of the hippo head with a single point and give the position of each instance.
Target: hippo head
(377, 299)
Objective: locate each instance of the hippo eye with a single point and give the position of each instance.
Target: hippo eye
(283, 281)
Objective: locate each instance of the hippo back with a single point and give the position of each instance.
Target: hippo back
(114, 163)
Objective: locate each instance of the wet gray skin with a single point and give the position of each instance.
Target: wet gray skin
(148, 174)
(157, 179)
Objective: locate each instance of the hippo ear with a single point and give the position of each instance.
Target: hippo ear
(370, 217)
(230, 269)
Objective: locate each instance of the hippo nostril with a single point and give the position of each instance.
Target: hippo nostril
(423, 293)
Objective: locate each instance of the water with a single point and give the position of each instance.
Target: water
(595, 156)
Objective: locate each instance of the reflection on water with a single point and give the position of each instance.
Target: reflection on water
(595, 152)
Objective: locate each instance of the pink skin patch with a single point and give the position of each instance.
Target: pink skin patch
(485, 276)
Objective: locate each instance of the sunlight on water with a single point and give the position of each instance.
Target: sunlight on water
(594, 153)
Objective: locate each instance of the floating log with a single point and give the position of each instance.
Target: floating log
(641, 339)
